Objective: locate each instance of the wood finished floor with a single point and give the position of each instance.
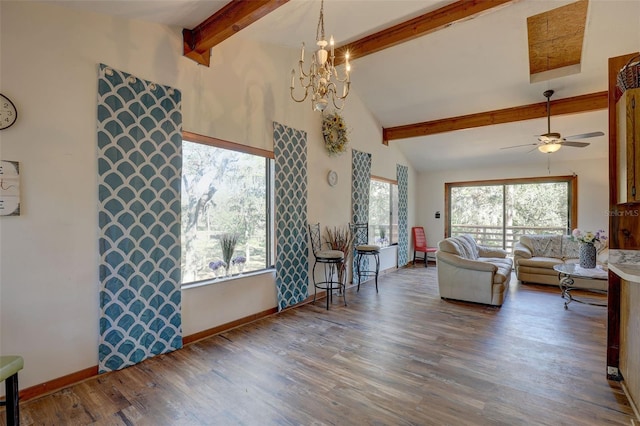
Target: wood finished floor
(400, 357)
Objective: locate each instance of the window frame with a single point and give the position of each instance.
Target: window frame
(391, 182)
(571, 180)
(269, 191)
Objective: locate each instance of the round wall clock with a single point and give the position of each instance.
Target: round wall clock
(332, 177)
(8, 112)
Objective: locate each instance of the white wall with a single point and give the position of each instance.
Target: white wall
(49, 254)
(593, 190)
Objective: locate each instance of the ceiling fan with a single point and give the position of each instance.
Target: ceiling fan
(551, 142)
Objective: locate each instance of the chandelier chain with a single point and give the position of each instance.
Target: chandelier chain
(320, 29)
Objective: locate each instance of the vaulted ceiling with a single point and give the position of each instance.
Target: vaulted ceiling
(449, 81)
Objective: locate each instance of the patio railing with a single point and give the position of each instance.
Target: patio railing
(493, 236)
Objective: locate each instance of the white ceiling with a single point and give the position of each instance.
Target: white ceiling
(472, 66)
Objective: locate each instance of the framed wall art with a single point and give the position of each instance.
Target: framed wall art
(9, 188)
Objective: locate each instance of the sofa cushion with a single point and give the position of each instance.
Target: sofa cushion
(490, 251)
(504, 265)
(570, 248)
(532, 270)
(520, 251)
(464, 246)
(540, 262)
(543, 245)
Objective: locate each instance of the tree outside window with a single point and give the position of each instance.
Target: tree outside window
(383, 212)
(224, 192)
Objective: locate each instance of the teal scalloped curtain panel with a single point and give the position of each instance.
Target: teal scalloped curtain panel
(360, 184)
(403, 206)
(292, 262)
(139, 173)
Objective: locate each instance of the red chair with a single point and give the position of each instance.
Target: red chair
(420, 245)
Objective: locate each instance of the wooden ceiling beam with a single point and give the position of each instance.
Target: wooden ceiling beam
(238, 14)
(424, 24)
(576, 104)
(233, 17)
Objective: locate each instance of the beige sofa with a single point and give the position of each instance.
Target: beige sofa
(535, 256)
(471, 272)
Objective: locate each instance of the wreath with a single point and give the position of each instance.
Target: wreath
(334, 131)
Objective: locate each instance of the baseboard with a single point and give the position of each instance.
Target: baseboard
(636, 411)
(88, 373)
(59, 383)
(388, 270)
(228, 326)
(419, 262)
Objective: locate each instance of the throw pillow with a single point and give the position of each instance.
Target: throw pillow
(545, 245)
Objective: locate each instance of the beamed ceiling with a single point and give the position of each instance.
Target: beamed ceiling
(449, 82)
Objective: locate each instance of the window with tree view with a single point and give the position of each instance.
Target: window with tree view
(498, 213)
(383, 212)
(225, 200)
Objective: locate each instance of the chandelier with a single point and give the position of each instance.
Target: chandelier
(322, 80)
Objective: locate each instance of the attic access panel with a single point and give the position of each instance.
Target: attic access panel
(556, 38)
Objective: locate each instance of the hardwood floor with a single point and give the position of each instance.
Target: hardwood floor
(400, 357)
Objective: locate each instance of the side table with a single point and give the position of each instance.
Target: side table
(566, 273)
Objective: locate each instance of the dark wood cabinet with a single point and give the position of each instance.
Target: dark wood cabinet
(624, 212)
(628, 141)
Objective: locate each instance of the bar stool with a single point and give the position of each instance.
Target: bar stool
(362, 249)
(333, 260)
(9, 367)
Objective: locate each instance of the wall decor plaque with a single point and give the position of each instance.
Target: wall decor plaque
(9, 188)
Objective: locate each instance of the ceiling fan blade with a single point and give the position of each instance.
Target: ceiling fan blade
(518, 146)
(585, 135)
(575, 144)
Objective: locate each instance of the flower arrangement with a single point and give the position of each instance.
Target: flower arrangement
(217, 265)
(341, 239)
(382, 240)
(239, 262)
(228, 244)
(334, 131)
(588, 237)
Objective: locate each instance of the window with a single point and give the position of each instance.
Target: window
(383, 211)
(226, 190)
(497, 213)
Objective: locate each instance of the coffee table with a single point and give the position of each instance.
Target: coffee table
(568, 271)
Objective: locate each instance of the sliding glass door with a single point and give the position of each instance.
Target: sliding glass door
(497, 213)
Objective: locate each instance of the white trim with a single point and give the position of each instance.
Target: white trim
(225, 279)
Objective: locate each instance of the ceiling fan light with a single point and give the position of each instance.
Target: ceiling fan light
(548, 148)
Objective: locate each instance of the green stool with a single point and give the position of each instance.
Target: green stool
(9, 367)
